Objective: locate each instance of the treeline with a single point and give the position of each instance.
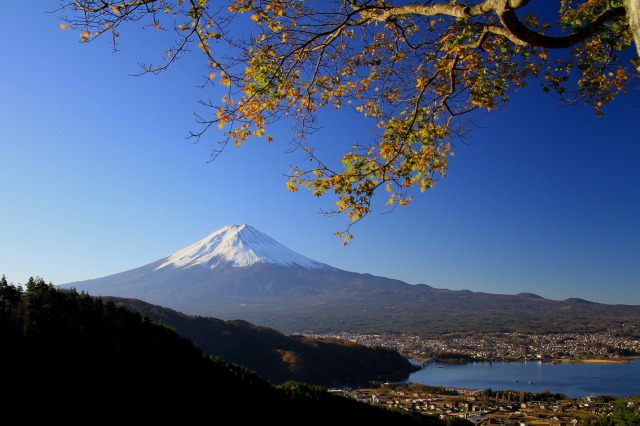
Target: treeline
(70, 353)
(413, 387)
(512, 396)
(622, 414)
(448, 357)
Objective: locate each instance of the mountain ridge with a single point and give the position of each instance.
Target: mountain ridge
(208, 278)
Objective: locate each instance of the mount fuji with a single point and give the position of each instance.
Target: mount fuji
(237, 246)
(235, 265)
(239, 272)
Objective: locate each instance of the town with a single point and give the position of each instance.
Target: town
(504, 406)
(488, 407)
(611, 344)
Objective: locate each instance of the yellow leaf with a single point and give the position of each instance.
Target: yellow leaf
(63, 26)
(346, 239)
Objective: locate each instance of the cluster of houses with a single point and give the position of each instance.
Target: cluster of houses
(606, 344)
(475, 407)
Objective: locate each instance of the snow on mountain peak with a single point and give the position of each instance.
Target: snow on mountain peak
(237, 245)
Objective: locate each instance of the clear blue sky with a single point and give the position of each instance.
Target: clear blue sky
(98, 178)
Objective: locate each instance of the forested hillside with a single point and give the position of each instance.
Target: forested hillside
(70, 353)
(277, 357)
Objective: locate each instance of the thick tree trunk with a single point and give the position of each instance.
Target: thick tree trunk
(633, 12)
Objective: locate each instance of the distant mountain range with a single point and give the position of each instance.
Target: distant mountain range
(240, 273)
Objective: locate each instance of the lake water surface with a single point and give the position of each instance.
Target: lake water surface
(572, 379)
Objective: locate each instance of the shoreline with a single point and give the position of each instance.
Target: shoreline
(594, 361)
(570, 377)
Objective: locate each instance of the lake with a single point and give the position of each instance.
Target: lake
(572, 379)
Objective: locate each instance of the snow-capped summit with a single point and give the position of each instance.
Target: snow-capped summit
(237, 246)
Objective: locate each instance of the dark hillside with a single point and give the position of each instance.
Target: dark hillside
(274, 356)
(70, 356)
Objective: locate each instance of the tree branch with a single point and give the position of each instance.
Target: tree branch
(513, 29)
(518, 29)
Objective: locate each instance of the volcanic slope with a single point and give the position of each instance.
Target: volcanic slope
(239, 272)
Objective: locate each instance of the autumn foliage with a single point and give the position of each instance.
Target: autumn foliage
(415, 70)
